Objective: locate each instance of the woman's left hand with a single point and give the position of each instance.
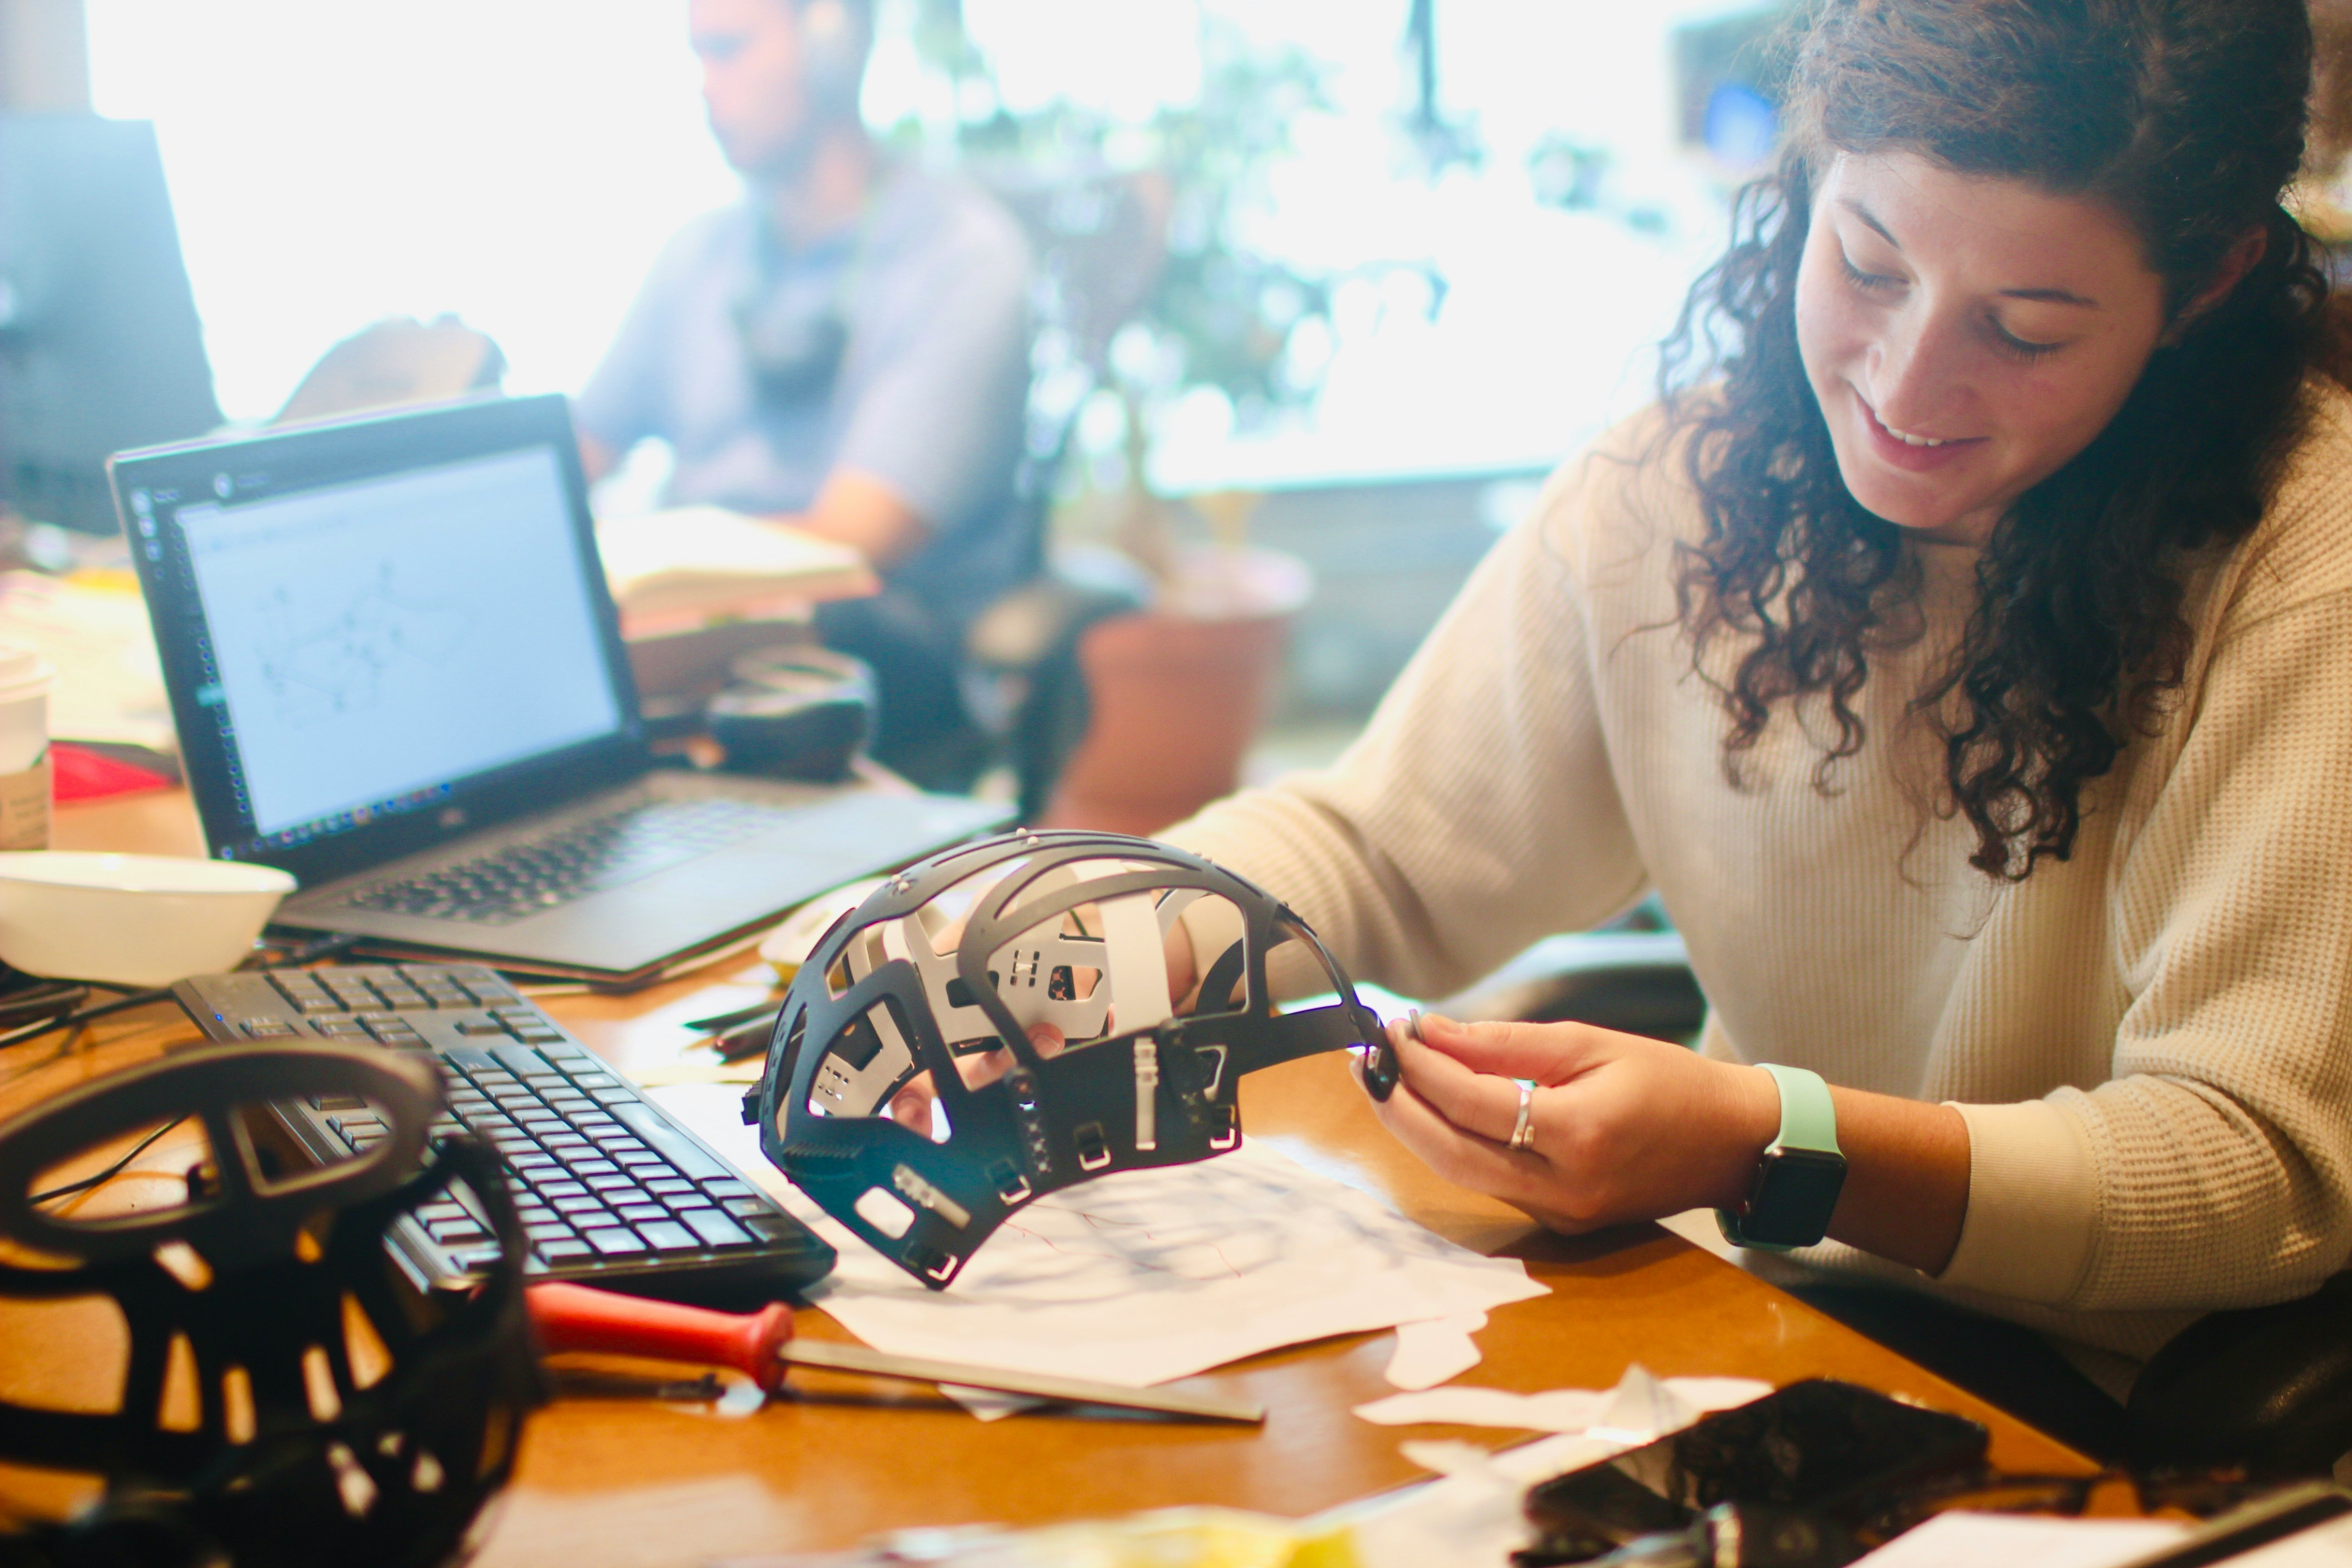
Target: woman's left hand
(1623, 1128)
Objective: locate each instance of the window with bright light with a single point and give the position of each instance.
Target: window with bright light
(519, 163)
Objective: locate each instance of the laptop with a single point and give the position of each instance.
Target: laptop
(396, 673)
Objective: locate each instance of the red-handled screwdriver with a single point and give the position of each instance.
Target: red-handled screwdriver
(761, 1345)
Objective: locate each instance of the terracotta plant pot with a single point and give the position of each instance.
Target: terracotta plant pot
(1177, 693)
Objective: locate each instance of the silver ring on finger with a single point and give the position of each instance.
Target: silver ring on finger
(1523, 1132)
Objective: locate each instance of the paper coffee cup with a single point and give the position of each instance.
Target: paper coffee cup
(24, 681)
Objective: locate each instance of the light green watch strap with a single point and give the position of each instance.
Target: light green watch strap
(1808, 1115)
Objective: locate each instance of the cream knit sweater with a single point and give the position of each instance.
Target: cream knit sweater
(2148, 1041)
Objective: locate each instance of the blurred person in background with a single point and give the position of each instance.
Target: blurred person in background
(847, 349)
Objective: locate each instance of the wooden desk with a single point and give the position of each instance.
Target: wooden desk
(611, 1482)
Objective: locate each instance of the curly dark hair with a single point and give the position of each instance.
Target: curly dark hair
(2186, 117)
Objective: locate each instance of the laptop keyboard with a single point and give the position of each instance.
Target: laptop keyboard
(525, 878)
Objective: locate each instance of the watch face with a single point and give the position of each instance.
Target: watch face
(1795, 1192)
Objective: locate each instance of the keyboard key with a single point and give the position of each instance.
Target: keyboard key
(633, 1213)
(682, 1151)
(591, 1164)
(581, 1203)
(747, 1206)
(729, 1188)
(564, 1251)
(775, 1227)
(441, 1209)
(475, 1260)
(551, 1191)
(669, 1186)
(547, 1230)
(715, 1229)
(617, 1241)
(451, 1231)
(613, 1182)
(520, 1061)
(668, 1236)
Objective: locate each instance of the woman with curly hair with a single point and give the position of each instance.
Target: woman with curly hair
(1962, 649)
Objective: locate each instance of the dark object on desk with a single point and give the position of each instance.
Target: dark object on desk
(25, 997)
(435, 728)
(749, 1037)
(1820, 1449)
(1058, 929)
(285, 1398)
(1733, 1535)
(795, 714)
(99, 348)
(762, 1346)
(2267, 1387)
(610, 1191)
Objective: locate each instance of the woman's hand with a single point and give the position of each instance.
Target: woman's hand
(1625, 1128)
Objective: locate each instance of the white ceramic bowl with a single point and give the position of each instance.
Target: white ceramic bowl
(132, 920)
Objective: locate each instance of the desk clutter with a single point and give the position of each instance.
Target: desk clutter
(987, 1142)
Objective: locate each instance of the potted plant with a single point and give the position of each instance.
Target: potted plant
(1154, 297)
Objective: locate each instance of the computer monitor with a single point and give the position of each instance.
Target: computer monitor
(99, 348)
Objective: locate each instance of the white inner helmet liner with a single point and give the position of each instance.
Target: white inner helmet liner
(1017, 991)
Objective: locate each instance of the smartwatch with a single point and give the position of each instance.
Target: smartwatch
(1799, 1175)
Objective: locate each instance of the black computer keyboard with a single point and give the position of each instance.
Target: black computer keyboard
(579, 859)
(611, 1191)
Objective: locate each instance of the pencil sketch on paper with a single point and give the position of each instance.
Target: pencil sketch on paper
(1149, 1274)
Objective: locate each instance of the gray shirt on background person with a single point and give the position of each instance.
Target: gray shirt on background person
(932, 289)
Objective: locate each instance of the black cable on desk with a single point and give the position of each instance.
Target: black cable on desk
(83, 1015)
(112, 1172)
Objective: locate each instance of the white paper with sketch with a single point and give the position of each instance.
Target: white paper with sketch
(1145, 1276)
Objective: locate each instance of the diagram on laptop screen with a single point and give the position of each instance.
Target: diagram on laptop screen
(382, 637)
(322, 662)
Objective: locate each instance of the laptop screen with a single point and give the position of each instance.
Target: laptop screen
(376, 621)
